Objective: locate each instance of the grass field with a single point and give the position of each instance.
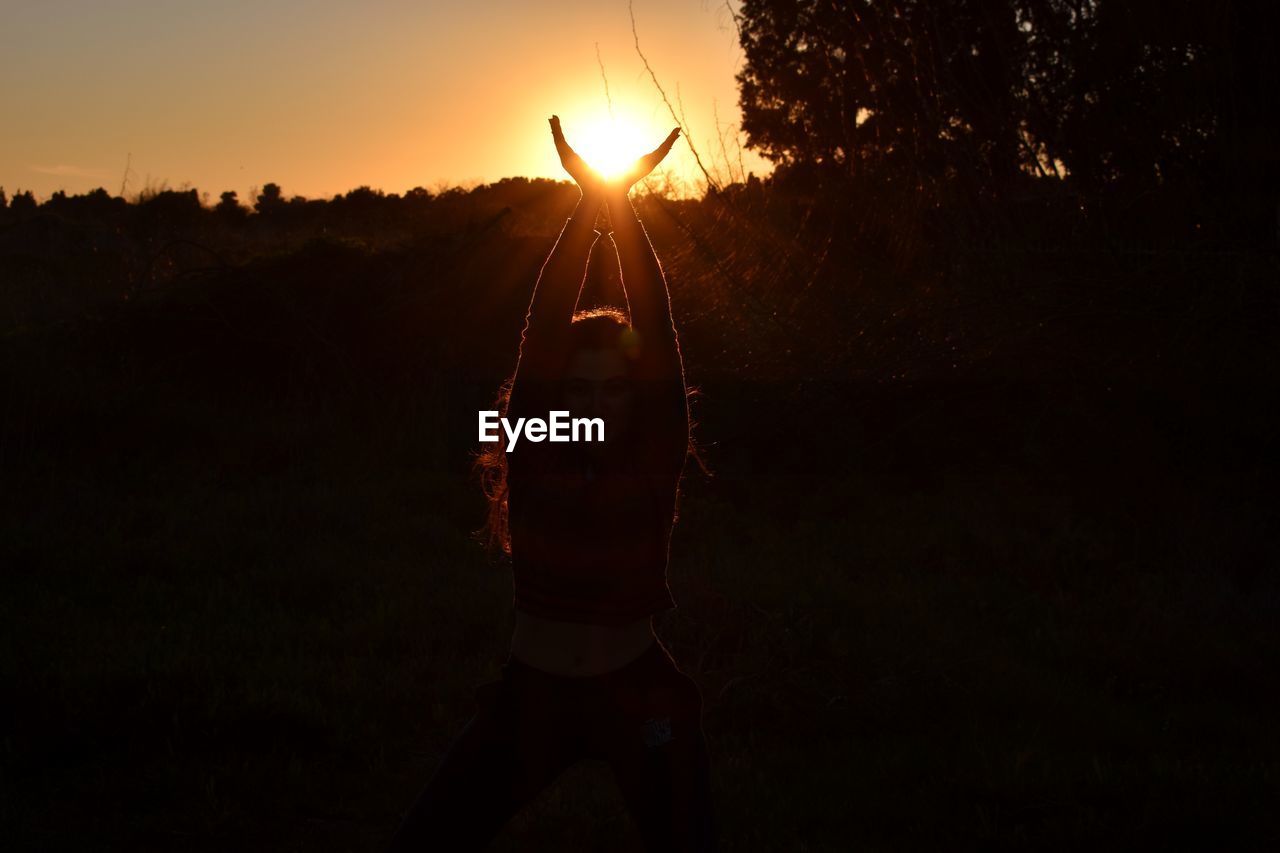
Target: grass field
(239, 627)
(1028, 603)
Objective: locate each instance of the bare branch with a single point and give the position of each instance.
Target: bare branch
(605, 78)
(724, 152)
(688, 137)
(128, 167)
(735, 17)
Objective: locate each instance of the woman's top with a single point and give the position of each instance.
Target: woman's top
(590, 536)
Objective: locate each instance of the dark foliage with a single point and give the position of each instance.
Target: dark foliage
(1127, 102)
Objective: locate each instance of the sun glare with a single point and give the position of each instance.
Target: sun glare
(611, 143)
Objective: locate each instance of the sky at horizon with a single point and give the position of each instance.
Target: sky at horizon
(321, 97)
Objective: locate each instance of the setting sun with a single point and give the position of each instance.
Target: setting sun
(611, 143)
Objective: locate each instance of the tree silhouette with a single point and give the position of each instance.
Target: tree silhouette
(23, 204)
(1143, 95)
(1134, 95)
(912, 92)
(271, 200)
(229, 208)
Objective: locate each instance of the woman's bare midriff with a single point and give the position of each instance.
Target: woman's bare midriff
(575, 649)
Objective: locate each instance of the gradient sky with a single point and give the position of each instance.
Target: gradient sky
(324, 96)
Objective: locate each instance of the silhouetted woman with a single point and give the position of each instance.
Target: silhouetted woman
(587, 526)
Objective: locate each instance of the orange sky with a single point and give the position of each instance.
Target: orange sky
(324, 96)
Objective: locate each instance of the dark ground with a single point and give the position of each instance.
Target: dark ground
(1025, 599)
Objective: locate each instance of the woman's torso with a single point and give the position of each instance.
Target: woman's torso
(586, 542)
(589, 537)
(576, 649)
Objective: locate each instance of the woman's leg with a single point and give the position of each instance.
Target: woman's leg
(508, 752)
(654, 742)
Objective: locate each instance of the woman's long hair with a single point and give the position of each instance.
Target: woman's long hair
(596, 328)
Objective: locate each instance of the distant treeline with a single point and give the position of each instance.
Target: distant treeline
(884, 282)
(175, 210)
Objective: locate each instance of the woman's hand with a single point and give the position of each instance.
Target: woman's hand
(646, 164)
(588, 179)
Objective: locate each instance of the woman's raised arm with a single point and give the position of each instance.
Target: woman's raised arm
(659, 368)
(658, 355)
(546, 332)
(645, 285)
(546, 329)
